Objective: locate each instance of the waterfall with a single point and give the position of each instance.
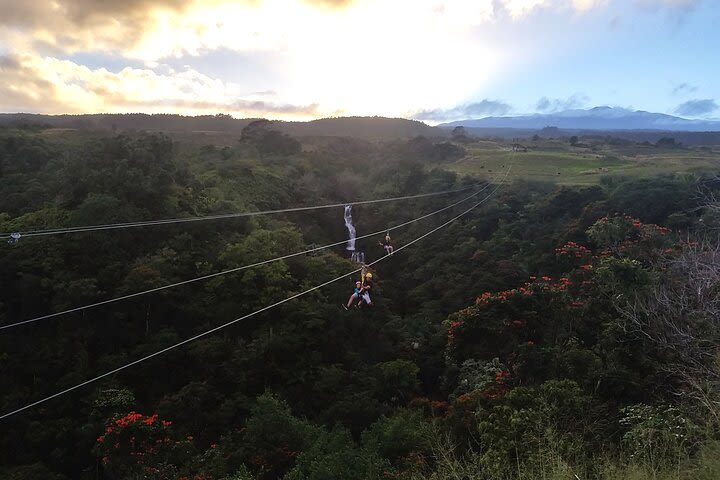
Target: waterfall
(350, 227)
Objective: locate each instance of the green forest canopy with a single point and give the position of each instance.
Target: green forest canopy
(562, 330)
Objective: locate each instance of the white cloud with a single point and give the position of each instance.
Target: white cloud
(480, 109)
(522, 8)
(150, 30)
(546, 105)
(362, 56)
(367, 57)
(666, 3)
(44, 84)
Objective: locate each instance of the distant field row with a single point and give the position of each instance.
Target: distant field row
(581, 166)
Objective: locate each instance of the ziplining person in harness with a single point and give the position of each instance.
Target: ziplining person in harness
(361, 292)
(387, 244)
(366, 287)
(355, 295)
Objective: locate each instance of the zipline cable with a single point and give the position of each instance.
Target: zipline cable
(114, 226)
(232, 270)
(249, 315)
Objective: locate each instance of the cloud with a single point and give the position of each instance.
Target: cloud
(43, 84)
(616, 22)
(684, 88)
(81, 13)
(667, 3)
(150, 30)
(330, 3)
(521, 8)
(308, 50)
(9, 62)
(365, 56)
(547, 105)
(697, 107)
(678, 9)
(487, 107)
(478, 109)
(517, 9)
(77, 25)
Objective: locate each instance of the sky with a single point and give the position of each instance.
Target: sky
(431, 60)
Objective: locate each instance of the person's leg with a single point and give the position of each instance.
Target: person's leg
(366, 298)
(351, 300)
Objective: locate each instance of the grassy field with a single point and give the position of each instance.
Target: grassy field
(563, 164)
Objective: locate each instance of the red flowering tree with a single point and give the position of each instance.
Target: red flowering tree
(139, 446)
(531, 328)
(624, 236)
(501, 321)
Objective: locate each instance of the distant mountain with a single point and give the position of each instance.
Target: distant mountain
(598, 118)
(359, 127)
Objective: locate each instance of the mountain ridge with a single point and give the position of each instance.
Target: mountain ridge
(596, 118)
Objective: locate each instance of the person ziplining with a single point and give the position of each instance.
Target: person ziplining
(361, 292)
(386, 243)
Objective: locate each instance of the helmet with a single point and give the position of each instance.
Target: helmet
(368, 275)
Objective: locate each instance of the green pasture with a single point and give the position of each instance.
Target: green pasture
(576, 166)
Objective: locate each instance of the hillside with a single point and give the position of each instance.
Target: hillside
(372, 128)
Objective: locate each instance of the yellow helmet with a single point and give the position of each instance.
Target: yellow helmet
(368, 275)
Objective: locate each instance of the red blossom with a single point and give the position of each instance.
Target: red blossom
(150, 420)
(438, 405)
(501, 376)
(465, 398)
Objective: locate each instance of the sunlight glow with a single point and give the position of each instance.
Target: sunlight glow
(372, 57)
